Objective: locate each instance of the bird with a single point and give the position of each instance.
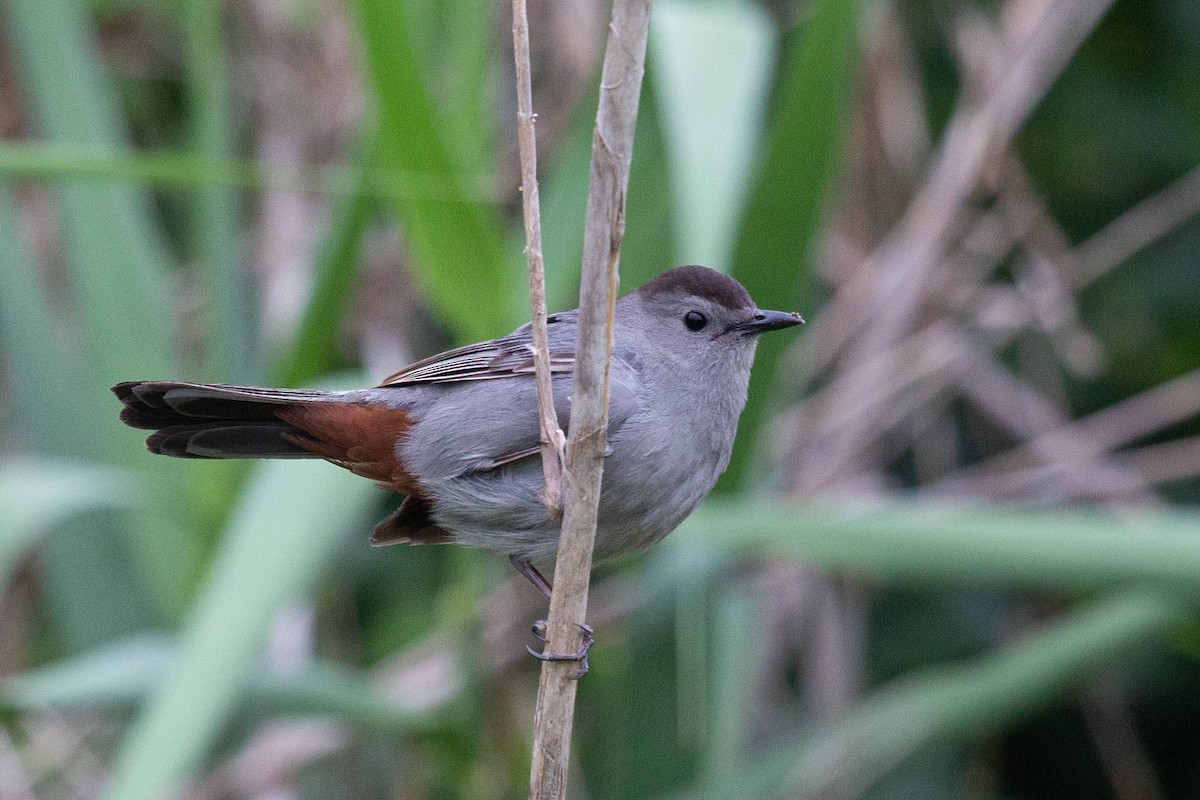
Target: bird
(458, 433)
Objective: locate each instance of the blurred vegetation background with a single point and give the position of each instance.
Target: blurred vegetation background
(955, 554)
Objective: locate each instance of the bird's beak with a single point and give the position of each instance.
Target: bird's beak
(764, 321)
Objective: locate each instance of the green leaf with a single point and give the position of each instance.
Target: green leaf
(456, 246)
(92, 563)
(114, 250)
(563, 190)
(116, 264)
(279, 538)
(965, 702)
(68, 163)
(960, 703)
(735, 620)
(325, 688)
(230, 318)
(911, 540)
(466, 32)
(711, 63)
(311, 351)
(114, 675)
(122, 673)
(44, 408)
(648, 247)
(773, 255)
(90, 583)
(38, 495)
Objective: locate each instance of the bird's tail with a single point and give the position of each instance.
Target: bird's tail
(359, 430)
(202, 420)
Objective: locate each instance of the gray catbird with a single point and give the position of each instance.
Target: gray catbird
(458, 432)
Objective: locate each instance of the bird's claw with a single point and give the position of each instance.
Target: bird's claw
(581, 655)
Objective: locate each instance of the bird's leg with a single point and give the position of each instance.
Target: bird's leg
(531, 573)
(526, 568)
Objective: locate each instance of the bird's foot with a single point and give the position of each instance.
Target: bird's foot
(581, 655)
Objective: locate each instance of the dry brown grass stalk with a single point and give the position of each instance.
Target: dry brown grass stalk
(956, 321)
(553, 443)
(604, 225)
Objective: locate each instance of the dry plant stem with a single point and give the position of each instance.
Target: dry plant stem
(553, 442)
(1101, 432)
(892, 287)
(612, 148)
(1017, 407)
(1175, 460)
(15, 782)
(895, 286)
(1110, 722)
(1136, 229)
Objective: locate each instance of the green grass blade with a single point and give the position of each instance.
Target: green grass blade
(312, 348)
(37, 496)
(114, 675)
(116, 264)
(783, 212)
(914, 541)
(231, 334)
(563, 190)
(957, 704)
(648, 247)
(114, 250)
(89, 579)
(963, 703)
(96, 584)
(120, 675)
(324, 688)
(736, 621)
(41, 371)
(711, 62)
(90, 569)
(38, 161)
(467, 34)
(456, 246)
(280, 536)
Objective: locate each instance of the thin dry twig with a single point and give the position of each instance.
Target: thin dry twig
(1174, 460)
(931, 359)
(1110, 722)
(612, 148)
(15, 783)
(1040, 276)
(1137, 228)
(973, 135)
(1025, 412)
(900, 274)
(269, 760)
(1090, 437)
(553, 441)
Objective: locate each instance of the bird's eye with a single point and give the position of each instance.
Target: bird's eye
(695, 321)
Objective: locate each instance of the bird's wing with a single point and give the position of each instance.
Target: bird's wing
(497, 358)
(451, 421)
(511, 421)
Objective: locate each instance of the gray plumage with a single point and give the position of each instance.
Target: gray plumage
(465, 440)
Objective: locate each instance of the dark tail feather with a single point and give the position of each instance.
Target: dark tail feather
(411, 523)
(200, 420)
